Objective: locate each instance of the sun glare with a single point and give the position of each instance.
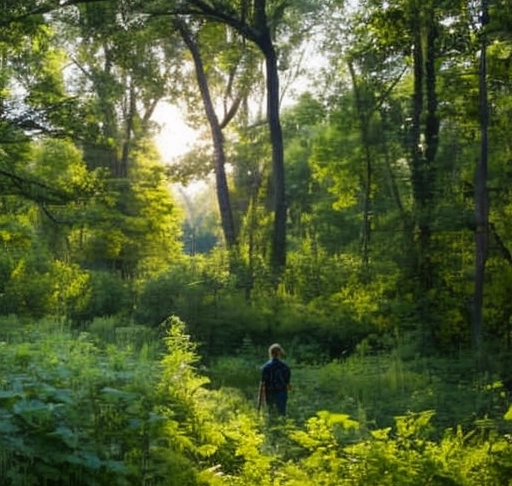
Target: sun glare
(175, 137)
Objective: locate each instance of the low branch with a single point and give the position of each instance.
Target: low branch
(51, 217)
(23, 185)
(383, 97)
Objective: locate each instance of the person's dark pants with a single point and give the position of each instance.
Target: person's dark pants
(276, 402)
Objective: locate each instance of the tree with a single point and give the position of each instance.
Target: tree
(258, 22)
(120, 72)
(216, 126)
(254, 23)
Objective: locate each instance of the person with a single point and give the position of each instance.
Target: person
(275, 380)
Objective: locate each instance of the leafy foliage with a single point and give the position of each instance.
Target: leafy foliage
(74, 411)
(375, 302)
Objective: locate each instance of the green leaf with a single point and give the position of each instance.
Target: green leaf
(7, 427)
(66, 435)
(30, 407)
(508, 415)
(10, 394)
(115, 394)
(85, 459)
(115, 466)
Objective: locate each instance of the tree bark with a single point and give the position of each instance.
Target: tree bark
(278, 173)
(424, 145)
(430, 151)
(257, 29)
(223, 198)
(417, 167)
(129, 119)
(363, 115)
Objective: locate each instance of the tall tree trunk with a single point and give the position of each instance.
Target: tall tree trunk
(363, 114)
(430, 150)
(110, 132)
(424, 144)
(264, 41)
(257, 29)
(226, 213)
(481, 193)
(417, 167)
(278, 173)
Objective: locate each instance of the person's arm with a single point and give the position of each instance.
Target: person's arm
(264, 376)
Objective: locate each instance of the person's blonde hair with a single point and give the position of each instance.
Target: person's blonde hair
(275, 350)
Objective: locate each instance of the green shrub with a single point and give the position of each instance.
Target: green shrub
(71, 413)
(98, 408)
(104, 294)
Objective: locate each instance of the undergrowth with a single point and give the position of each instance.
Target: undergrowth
(103, 407)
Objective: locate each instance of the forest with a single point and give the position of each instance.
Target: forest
(347, 196)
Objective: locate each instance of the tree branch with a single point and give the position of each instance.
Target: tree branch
(382, 98)
(51, 194)
(43, 9)
(200, 8)
(501, 245)
(231, 112)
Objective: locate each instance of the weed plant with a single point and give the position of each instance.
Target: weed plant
(117, 406)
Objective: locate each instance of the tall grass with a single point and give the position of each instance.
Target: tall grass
(376, 388)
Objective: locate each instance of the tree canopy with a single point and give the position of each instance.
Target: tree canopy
(358, 200)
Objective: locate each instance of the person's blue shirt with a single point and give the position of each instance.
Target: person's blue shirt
(275, 376)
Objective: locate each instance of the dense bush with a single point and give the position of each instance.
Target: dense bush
(73, 413)
(203, 294)
(95, 408)
(103, 294)
(337, 452)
